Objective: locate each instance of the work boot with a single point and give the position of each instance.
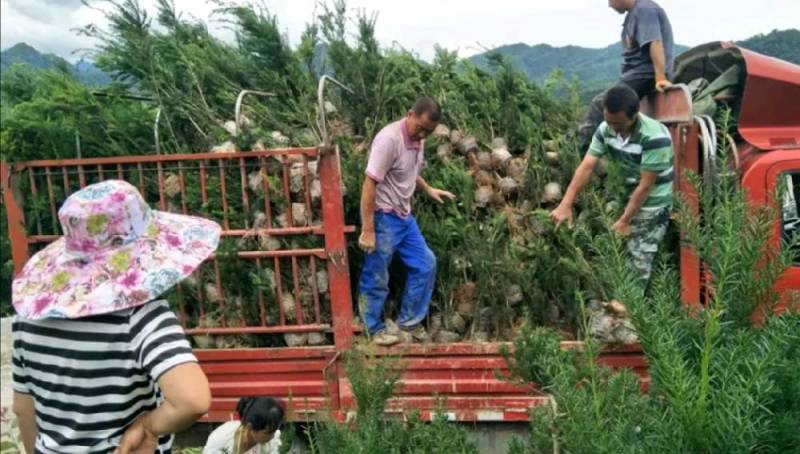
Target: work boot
(419, 334)
(384, 339)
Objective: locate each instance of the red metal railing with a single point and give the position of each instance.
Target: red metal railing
(279, 269)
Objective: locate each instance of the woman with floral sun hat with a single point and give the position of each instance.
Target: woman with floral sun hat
(100, 364)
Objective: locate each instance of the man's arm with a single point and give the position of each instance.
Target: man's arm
(659, 58)
(434, 193)
(582, 176)
(26, 416)
(422, 185)
(367, 238)
(640, 194)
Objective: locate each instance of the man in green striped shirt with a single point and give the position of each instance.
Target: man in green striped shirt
(641, 148)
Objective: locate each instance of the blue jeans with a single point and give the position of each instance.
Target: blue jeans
(402, 235)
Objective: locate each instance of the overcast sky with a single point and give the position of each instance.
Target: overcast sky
(465, 25)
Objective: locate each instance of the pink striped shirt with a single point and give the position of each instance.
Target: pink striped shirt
(395, 162)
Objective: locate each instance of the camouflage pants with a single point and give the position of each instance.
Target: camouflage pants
(648, 228)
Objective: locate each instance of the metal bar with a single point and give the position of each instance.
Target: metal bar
(237, 111)
(141, 177)
(35, 194)
(203, 193)
(323, 127)
(51, 195)
(100, 174)
(279, 291)
(310, 152)
(336, 247)
(233, 232)
(65, 179)
(81, 177)
(122, 96)
(245, 199)
(224, 194)
(16, 218)
(296, 282)
(182, 180)
(265, 183)
(262, 311)
(162, 202)
(687, 159)
(287, 192)
(167, 166)
(155, 131)
(261, 329)
(201, 290)
(309, 209)
(218, 283)
(315, 289)
(120, 172)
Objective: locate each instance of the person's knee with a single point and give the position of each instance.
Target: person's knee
(429, 264)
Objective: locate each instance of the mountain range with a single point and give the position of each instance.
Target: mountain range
(83, 70)
(597, 68)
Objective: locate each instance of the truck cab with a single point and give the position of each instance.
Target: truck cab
(763, 148)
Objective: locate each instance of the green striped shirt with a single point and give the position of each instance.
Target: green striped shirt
(649, 148)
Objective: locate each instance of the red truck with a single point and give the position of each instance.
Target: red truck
(764, 96)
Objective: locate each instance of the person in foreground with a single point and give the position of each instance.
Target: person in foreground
(100, 364)
(256, 431)
(642, 148)
(392, 176)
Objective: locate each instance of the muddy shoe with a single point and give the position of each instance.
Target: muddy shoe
(419, 334)
(384, 339)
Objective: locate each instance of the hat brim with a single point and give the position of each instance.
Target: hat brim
(56, 283)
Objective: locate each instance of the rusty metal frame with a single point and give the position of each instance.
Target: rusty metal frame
(323, 126)
(237, 110)
(331, 257)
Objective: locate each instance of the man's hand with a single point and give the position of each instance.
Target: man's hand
(621, 228)
(439, 194)
(366, 241)
(662, 83)
(137, 440)
(562, 213)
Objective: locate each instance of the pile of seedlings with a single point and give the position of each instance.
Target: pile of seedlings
(501, 148)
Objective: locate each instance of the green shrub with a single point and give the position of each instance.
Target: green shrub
(374, 381)
(718, 382)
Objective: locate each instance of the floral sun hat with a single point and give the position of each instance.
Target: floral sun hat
(116, 253)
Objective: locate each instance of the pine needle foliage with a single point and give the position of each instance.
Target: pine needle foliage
(718, 379)
(374, 380)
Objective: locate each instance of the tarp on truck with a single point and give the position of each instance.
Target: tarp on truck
(763, 92)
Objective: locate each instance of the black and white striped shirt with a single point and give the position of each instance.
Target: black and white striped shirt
(90, 378)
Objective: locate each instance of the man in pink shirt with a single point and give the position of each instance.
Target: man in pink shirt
(388, 227)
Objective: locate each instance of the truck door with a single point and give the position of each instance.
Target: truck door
(784, 176)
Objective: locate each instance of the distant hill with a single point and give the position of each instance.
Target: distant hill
(596, 68)
(22, 53)
(783, 44)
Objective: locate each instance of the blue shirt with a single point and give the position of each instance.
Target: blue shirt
(645, 23)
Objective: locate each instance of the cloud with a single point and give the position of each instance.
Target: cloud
(47, 25)
(44, 11)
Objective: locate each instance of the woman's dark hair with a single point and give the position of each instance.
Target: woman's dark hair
(261, 413)
(622, 98)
